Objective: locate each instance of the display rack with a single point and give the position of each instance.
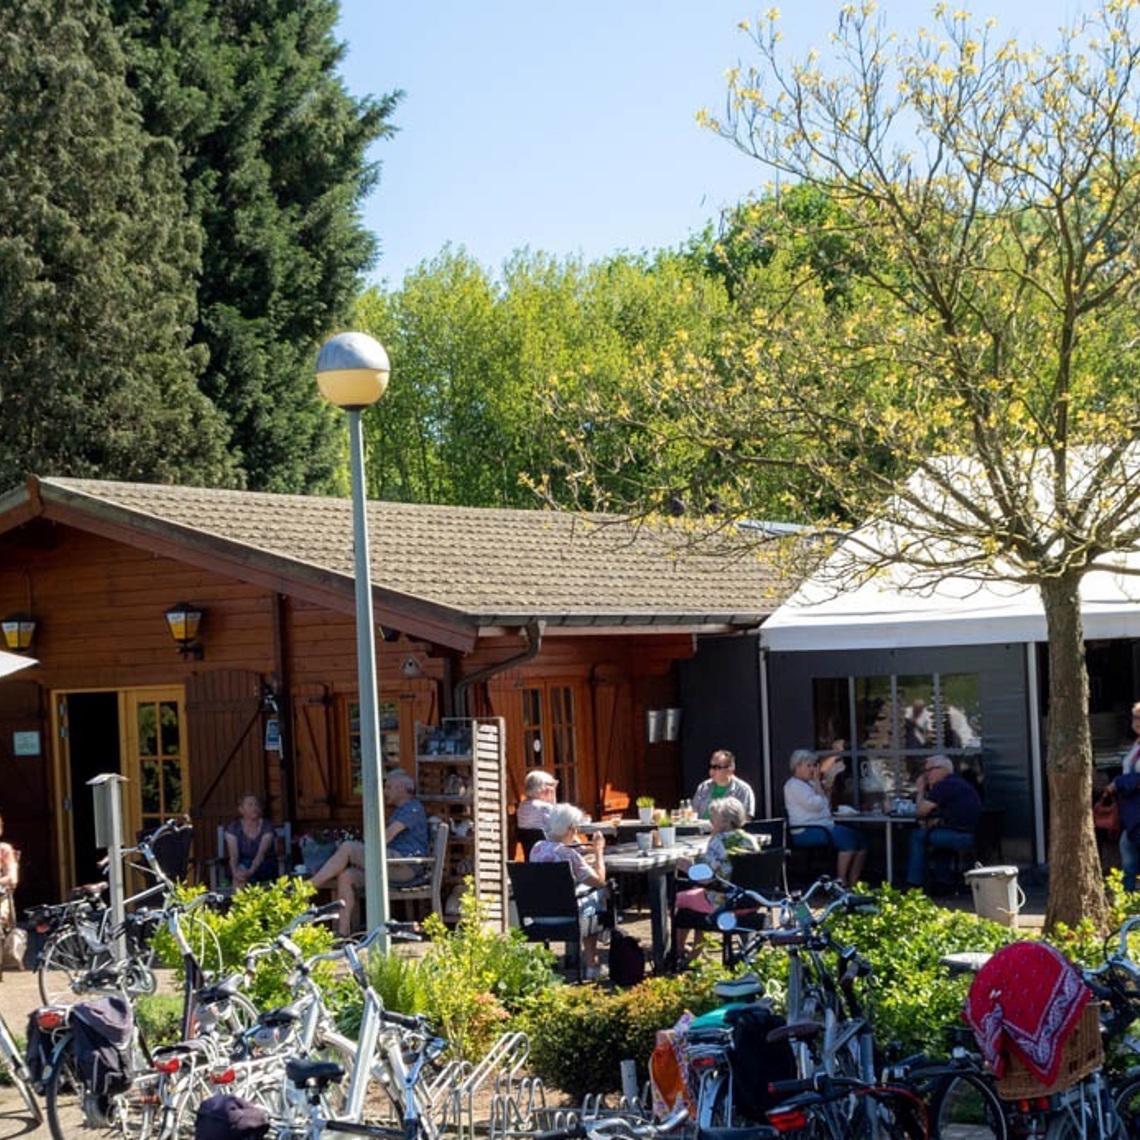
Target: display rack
(461, 780)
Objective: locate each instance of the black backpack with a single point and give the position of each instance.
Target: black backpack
(230, 1118)
(627, 960)
(755, 1060)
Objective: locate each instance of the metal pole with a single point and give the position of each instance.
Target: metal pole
(375, 870)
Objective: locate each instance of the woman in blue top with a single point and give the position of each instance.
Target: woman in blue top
(251, 845)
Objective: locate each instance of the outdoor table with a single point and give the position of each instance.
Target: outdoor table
(658, 864)
(888, 821)
(622, 829)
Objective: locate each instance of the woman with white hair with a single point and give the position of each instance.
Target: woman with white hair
(729, 839)
(810, 822)
(561, 846)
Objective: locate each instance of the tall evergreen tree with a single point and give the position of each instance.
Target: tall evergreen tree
(97, 257)
(274, 153)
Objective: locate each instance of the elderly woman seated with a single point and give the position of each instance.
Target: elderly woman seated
(561, 846)
(728, 817)
(807, 801)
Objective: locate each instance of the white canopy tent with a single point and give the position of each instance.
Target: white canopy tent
(897, 610)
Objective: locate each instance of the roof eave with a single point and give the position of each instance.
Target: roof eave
(328, 588)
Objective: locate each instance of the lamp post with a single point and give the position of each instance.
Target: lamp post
(352, 372)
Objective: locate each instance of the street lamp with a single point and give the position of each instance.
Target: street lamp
(352, 372)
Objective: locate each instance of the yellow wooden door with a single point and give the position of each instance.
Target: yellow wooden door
(155, 759)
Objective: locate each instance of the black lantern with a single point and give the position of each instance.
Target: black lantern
(19, 632)
(183, 621)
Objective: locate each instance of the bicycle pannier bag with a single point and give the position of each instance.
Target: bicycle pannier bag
(101, 1036)
(230, 1118)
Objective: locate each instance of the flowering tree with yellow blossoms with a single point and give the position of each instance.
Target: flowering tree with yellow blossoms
(974, 392)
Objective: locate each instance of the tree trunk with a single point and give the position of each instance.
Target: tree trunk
(1076, 883)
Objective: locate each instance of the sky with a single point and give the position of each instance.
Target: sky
(571, 128)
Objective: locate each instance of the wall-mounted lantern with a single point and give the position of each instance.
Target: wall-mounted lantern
(183, 621)
(19, 632)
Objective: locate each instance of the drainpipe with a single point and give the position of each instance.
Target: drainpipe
(533, 632)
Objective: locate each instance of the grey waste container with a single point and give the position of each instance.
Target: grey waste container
(997, 894)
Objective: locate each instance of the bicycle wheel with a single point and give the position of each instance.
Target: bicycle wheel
(64, 959)
(70, 1106)
(17, 1068)
(965, 1107)
(1127, 1101)
(714, 1101)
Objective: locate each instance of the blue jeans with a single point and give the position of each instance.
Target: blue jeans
(937, 839)
(1129, 861)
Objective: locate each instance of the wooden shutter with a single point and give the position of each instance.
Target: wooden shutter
(227, 748)
(312, 752)
(613, 741)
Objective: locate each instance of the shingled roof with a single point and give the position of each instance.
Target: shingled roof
(487, 567)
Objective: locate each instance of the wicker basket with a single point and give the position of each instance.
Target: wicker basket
(1082, 1053)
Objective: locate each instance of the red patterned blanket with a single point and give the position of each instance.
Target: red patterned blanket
(1026, 1000)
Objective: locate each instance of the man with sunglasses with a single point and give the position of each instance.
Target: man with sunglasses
(949, 807)
(723, 782)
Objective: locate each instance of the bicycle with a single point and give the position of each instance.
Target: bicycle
(826, 1107)
(826, 1028)
(81, 938)
(16, 1065)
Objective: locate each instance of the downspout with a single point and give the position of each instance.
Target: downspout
(533, 631)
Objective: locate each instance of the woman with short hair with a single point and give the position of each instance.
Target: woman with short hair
(810, 822)
(561, 846)
(539, 790)
(728, 840)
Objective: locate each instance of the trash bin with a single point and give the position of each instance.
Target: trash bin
(997, 894)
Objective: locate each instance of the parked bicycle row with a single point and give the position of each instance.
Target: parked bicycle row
(812, 1065)
(803, 1062)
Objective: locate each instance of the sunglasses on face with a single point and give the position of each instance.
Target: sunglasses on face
(719, 767)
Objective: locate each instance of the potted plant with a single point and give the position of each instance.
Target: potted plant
(667, 831)
(645, 806)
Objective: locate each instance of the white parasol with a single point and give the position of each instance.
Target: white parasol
(13, 663)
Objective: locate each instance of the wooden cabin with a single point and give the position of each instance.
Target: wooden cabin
(569, 628)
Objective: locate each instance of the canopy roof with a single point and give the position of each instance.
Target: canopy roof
(900, 582)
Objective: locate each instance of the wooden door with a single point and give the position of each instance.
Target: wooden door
(26, 804)
(312, 752)
(154, 758)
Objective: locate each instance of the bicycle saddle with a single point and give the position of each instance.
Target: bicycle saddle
(795, 1031)
(303, 1073)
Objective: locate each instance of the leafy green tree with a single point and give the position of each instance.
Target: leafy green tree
(273, 151)
(469, 416)
(97, 258)
(990, 198)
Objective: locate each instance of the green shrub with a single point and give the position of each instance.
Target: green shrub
(468, 981)
(913, 1000)
(255, 916)
(579, 1035)
(160, 1018)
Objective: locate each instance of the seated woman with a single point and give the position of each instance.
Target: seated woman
(728, 817)
(810, 822)
(406, 836)
(560, 846)
(251, 845)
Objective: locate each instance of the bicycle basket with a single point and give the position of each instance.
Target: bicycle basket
(1081, 1054)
